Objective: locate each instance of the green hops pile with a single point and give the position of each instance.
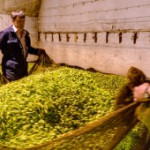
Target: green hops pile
(42, 106)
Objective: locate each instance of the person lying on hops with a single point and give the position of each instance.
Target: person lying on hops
(15, 45)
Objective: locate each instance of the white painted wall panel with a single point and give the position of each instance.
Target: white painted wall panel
(107, 54)
(94, 15)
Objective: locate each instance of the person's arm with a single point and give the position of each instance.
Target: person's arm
(36, 51)
(32, 50)
(141, 92)
(3, 40)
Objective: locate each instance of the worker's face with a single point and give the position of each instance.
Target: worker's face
(19, 23)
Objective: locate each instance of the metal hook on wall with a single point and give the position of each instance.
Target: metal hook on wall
(52, 36)
(59, 36)
(67, 37)
(84, 39)
(45, 36)
(107, 35)
(134, 37)
(95, 37)
(75, 37)
(120, 37)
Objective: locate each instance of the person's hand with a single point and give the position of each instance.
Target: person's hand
(141, 92)
(41, 52)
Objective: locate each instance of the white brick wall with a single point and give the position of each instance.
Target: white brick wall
(84, 20)
(91, 15)
(101, 16)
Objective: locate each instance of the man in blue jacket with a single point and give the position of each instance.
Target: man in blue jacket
(15, 45)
